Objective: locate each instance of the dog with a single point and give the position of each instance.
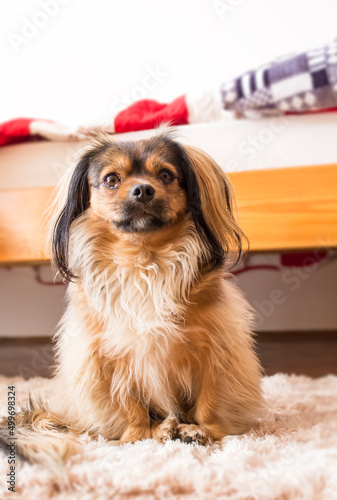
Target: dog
(156, 339)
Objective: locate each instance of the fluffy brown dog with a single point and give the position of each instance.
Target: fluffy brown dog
(156, 339)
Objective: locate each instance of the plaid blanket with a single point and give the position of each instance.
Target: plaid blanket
(296, 83)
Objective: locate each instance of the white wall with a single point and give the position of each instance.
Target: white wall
(27, 308)
(88, 57)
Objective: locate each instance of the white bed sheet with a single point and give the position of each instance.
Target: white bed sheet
(235, 144)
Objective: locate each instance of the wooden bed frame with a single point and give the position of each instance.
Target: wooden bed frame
(291, 209)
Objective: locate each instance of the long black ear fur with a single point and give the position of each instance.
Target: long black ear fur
(190, 184)
(78, 201)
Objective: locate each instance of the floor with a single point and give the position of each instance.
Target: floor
(291, 454)
(302, 353)
(308, 353)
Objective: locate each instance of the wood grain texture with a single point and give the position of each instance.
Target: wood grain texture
(23, 225)
(279, 209)
(288, 209)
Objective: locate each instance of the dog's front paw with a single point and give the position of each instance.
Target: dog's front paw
(166, 430)
(190, 433)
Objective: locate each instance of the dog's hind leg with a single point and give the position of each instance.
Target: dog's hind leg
(138, 422)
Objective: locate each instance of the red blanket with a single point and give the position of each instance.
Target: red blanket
(141, 115)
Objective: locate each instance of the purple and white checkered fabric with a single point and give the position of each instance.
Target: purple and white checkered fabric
(303, 82)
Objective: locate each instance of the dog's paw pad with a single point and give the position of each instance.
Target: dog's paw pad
(189, 433)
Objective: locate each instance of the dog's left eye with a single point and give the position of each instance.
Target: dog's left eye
(166, 176)
(111, 180)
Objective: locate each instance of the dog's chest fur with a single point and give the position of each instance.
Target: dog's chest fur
(135, 290)
(133, 305)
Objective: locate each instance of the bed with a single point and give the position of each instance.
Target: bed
(284, 171)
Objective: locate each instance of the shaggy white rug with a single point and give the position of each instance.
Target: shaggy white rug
(291, 455)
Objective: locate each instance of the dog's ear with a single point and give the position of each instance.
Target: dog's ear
(210, 198)
(77, 201)
(72, 199)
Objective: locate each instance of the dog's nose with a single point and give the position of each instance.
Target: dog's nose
(142, 192)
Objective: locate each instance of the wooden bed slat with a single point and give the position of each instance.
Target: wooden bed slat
(23, 225)
(279, 209)
(288, 209)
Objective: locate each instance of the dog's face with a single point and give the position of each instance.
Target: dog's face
(144, 187)
(139, 187)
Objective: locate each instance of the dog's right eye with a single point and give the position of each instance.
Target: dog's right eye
(111, 181)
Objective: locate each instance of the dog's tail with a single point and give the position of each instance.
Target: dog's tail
(38, 436)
